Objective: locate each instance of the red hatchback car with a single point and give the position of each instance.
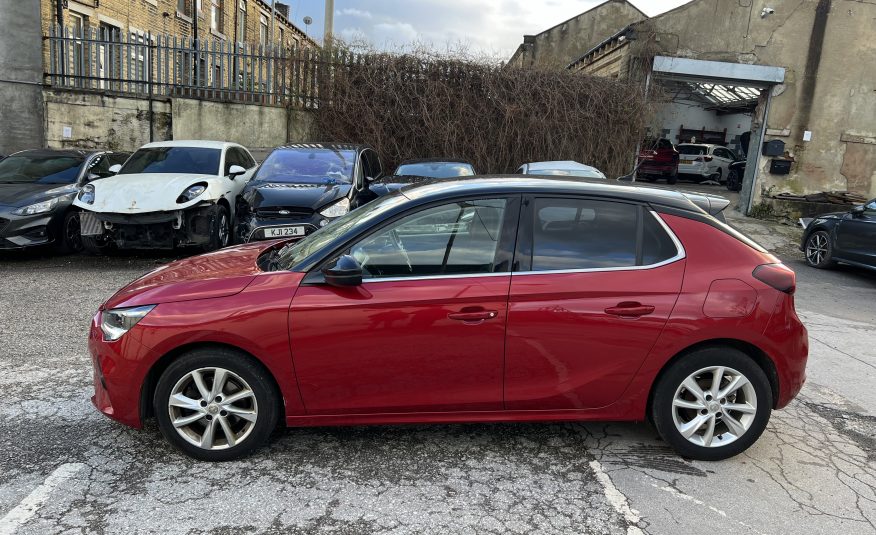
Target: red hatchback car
(483, 300)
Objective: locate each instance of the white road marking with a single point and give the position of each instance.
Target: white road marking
(687, 497)
(28, 507)
(616, 499)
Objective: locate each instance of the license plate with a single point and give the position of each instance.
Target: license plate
(284, 232)
(686, 161)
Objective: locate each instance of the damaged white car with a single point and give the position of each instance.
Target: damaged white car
(168, 194)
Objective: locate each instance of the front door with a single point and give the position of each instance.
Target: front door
(856, 236)
(425, 332)
(596, 284)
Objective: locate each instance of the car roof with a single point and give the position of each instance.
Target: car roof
(564, 165)
(434, 160)
(510, 184)
(326, 146)
(192, 143)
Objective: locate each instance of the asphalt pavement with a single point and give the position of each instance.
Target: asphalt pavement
(64, 468)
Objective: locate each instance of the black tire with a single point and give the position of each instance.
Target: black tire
(96, 245)
(220, 233)
(733, 181)
(663, 411)
(69, 238)
(265, 403)
(819, 250)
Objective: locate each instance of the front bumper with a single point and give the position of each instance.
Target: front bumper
(118, 374)
(18, 232)
(154, 230)
(252, 227)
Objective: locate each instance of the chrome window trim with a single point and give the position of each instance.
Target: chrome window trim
(680, 255)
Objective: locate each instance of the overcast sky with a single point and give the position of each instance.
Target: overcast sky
(494, 27)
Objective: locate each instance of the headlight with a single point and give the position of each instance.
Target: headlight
(191, 193)
(115, 323)
(86, 195)
(38, 208)
(337, 209)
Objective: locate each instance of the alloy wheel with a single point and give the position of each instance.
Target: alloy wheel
(714, 406)
(817, 248)
(213, 408)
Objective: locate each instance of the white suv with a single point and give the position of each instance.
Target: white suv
(704, 161)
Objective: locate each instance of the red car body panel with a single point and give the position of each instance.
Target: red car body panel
(565, 352)
(389, 352)
(661, 160)
(394, 347)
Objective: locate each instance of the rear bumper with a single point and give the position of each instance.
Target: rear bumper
(658, 168)
(700, 169)
(791, 351)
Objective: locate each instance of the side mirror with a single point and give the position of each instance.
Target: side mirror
(235, 170)
(344, 273)
(858, 211)
(115, 169)
(371, 179)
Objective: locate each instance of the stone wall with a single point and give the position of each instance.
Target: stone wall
(21, 76)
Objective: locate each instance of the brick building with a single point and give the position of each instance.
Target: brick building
(229, 21)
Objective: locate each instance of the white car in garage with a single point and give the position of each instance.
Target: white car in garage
(167, 194)
(703, 161)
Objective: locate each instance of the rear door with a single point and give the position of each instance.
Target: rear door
(856, 236)
(593, 286)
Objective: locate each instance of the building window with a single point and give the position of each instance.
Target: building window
(241, 21)
(282, 40)
(263, 30)
(184, 7)
(216, 15)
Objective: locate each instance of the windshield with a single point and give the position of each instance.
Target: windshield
(309, 166)
(45, 169)
(696, 150)
(436, 169)
(307, 246)
(183, 160)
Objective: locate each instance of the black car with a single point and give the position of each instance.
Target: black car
(847, 237)
(435, 168)
(300, 188)
(36, 192)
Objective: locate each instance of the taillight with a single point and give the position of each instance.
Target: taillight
(778, 276)
(708, 158)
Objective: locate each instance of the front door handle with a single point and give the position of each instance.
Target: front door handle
(630, 309)
(471, 317)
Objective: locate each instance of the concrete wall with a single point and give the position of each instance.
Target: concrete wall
(91, 120)
(247, 124)
(829, 50)
(567, 41)
(21, 74)
(83, 119)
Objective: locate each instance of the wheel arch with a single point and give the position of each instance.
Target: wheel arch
(150, 381)
(752, 351)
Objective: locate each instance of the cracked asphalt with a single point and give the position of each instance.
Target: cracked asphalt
(64, 468)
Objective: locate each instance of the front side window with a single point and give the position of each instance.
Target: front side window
(182, 160)
(459, 238)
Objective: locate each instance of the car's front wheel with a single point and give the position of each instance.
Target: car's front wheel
(216, 404)
(69, 239)
(220, 235)
(712, 403)
(819, 250)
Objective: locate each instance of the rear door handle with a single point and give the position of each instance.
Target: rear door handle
(478, 316)
(630, 309)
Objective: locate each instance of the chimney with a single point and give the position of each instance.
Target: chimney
(283, 9)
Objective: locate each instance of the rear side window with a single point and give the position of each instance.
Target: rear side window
(583, 234)
(577, 234)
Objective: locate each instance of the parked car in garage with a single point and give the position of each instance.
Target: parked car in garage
(300, 188)
(435, 168)
(168, 194)
(563, 168)
(847, 237)
(626, 303)
(701, 161)
(658, 159)
(37, 188)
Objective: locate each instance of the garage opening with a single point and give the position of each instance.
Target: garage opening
(714, 117)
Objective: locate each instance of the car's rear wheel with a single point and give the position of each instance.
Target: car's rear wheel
(819, 250)
(69, 239)
(712, 404)
(216, 404)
